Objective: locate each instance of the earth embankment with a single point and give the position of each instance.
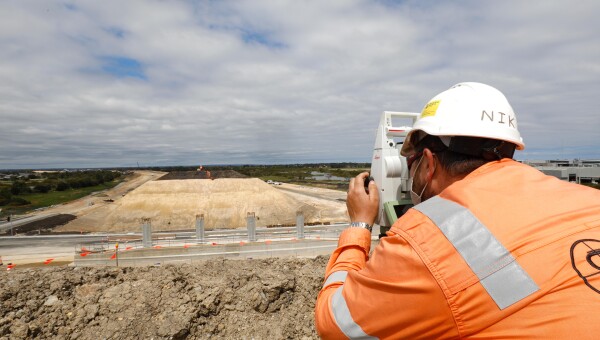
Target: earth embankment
(225, 202)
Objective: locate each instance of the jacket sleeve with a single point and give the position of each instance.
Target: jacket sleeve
(391, 295)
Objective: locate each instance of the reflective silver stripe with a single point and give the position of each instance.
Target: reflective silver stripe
(344, 320)
(339, 276)
(499, 273)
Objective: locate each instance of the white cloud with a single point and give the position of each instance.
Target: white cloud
(280, 81)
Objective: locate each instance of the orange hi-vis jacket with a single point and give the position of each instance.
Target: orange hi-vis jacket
(507, 252)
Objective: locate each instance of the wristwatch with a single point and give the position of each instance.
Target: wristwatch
(361, 225)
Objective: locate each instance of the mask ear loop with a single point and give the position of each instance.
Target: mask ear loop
(434, 166)
(427, 183)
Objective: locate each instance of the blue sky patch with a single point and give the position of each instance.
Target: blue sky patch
(116, 32)
(252, 37)
(123, 67)
(249, 35)
(70, 7)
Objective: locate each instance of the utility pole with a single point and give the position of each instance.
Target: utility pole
(10, 218)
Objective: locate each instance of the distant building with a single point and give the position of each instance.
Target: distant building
(578, 171)
(45, 171)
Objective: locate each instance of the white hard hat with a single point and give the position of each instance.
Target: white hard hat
(466, 109)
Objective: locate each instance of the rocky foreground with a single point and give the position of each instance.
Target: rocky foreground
(216, 299)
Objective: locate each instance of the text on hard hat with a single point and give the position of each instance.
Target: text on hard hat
(499, 117)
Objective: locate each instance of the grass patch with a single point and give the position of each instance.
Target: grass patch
(39, 200)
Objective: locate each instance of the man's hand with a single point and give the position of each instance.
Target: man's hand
(362, 207)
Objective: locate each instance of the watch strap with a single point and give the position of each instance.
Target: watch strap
(363, 225)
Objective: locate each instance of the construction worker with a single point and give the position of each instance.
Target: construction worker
(491, 249)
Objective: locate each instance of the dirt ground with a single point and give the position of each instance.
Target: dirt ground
(216, 299)
(269, 298)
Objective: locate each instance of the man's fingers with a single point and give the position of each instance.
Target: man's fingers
(358, 182)
(363, 175)
(373, 192)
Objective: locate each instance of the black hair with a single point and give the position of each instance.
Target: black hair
(465, 154)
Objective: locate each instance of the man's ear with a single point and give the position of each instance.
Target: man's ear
(430, 164)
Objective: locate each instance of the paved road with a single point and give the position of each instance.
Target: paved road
(9, 242)
(22, 221)
(30, 249)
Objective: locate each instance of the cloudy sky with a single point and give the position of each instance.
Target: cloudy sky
(114, 83)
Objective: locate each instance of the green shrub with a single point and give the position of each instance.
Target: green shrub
(19, 201)
(62, 186)
(42, 188)
(19, 187)
(5, 194)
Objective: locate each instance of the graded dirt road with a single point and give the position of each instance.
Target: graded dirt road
(89, 205)
(215, 299)
(330, 205)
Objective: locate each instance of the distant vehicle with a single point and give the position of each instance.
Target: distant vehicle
(273, 182)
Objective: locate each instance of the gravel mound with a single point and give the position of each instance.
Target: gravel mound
(216, 299)
(173, 205)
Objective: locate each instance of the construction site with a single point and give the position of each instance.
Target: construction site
(183, 255)
(191, 255)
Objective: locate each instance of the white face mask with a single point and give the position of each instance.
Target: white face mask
(414, 197)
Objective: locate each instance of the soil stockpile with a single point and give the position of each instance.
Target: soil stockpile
(216, 299)
(174, 204)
